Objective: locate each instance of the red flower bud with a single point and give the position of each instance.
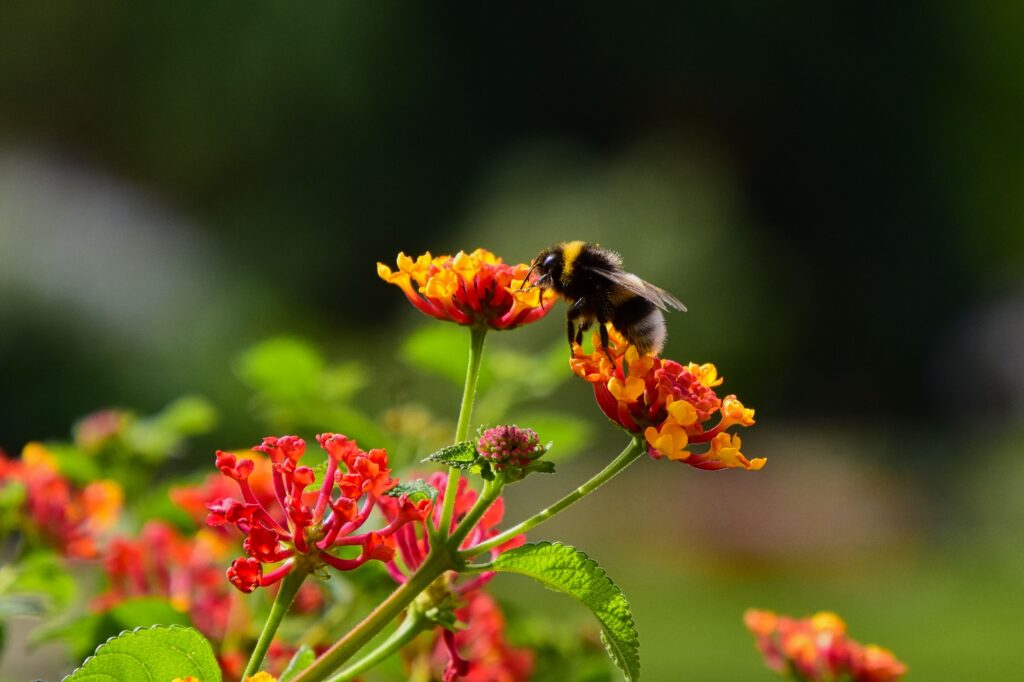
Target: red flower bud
(376, 546)
(264, 545)
(245, 573)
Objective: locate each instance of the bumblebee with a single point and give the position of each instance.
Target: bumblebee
(592, 281)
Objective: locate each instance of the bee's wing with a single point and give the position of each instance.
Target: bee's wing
(631, 282)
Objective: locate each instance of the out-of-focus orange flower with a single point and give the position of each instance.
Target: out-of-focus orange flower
(817, 649)
(188, 571)
(70, 519)
(669, 404)
(475, 289)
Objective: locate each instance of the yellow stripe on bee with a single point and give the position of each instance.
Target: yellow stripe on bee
(570, 252)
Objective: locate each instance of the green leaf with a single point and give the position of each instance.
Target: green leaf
(44, 573)
(339, 383)
(302, 659)
(187, 416)
(416, 490)
(460, 456)
(566, 569)
(75, 463)
(542, 466)
(285, 368)
(157, 653)
(12, 495)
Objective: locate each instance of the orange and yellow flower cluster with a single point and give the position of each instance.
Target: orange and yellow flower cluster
(669, 404)
(66, 517)
(474, 289)
(817, 649)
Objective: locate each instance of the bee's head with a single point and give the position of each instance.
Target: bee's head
(548, 266)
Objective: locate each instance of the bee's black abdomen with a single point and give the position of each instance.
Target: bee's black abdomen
(640, 321)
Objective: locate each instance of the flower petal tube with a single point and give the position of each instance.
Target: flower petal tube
(473, 289)
(672, 406)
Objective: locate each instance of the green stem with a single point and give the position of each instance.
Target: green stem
(435, 564)
(490, 493)
(626, 457)
(476, 352)
(406, 632)
(290, 585)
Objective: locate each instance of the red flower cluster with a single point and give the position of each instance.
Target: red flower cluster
(308, 524)
(469, 288)
(185, 570)
(818, 650)
(490, 657)
(68, 518)
(669, 404)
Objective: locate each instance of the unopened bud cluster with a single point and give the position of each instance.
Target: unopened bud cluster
(509, 446)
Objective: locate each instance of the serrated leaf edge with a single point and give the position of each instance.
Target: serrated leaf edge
(131, 632)
(455, 448)
(614, 652)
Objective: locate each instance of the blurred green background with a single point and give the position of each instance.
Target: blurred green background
(835, 190)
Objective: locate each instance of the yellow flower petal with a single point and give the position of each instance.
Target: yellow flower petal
(628, 392)
(35, 455)
(733, 412)
(682, 412)
(441, 285)
(828, 621)
(467, 266)
(670, 441)
(706, 373)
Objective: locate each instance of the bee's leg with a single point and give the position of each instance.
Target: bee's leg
(602, 329)
(582, 328)
(575, 335)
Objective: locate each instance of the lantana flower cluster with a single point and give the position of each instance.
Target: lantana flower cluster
(475, 289)
(671, 405)
(70, 519)
(478, 652)
(818, 649)
(306, 524)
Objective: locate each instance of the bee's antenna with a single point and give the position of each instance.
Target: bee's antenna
(527, 278)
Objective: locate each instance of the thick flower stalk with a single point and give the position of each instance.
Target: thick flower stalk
(467, 657)
(188, 571)
(308, 522)
(70, 519)
(817, 649)
(672, 406)
(475, 289)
